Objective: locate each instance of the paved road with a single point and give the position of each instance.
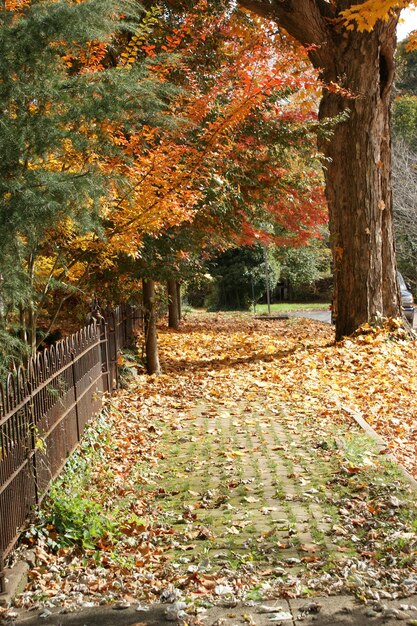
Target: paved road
(324, 316)
(321, 315)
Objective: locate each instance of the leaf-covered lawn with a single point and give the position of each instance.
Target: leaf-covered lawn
(239, 474)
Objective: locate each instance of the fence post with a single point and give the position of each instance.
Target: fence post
(128, 333)
(113, 348)
(74, 383)
(105, 362)
(137, 319)
(32, 431)
(123, 323)
(129, 328)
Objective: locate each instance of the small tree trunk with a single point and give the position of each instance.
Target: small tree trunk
(32, 328)
(179, 300)
(173, 318)
(31, 314)
(151, 340)
(22, 324)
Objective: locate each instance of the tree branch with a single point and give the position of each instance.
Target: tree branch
(305, 20)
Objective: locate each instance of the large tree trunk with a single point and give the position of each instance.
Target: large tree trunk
(358, 183)
(151, 340)
(358, 155)
(173, 317)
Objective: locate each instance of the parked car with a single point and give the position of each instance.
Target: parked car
(407, 301)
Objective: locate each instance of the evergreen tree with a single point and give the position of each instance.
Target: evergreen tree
(57, 130)
(240, 277)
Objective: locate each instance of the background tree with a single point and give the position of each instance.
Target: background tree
(406, 68)
(240, 278)
(305, 266)
(404, 165)
(405, 120)
(404, 170)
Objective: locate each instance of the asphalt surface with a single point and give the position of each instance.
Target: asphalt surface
(319, 315)
(323, 316)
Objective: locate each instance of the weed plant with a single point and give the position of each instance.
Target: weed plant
(72, 513)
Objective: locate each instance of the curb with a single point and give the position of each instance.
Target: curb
(271, 317)
(15, 579)
(357, 417)
(340, 610)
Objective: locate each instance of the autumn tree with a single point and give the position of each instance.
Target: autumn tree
(353, 45)
(406, 68)
(211, 182)
(103, 170)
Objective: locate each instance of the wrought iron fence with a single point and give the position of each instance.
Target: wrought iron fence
(44, 408)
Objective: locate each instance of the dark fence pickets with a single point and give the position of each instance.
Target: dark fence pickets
(44, 408)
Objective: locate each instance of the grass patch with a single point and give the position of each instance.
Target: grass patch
(293, 306)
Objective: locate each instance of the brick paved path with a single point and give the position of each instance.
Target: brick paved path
(249, 489)
(261, 483)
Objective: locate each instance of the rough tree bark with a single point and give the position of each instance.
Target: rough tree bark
(151, 341)
(179, 300)
(173, 317)
(358, 156)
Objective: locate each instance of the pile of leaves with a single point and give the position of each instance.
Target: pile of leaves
(135, 517)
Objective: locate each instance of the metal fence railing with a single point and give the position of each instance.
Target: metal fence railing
(44, 408)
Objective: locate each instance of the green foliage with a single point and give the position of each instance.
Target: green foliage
(78, 520)
(405, 120)
(406, 69)
(12, 351)
(304, 265)
(240, 277)
(198, 289)
(72, 514)
(54, 138)
(43, 108)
